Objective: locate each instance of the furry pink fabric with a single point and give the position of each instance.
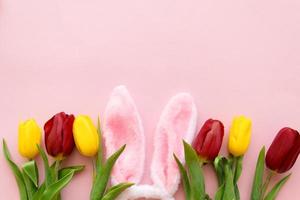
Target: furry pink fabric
(122, 125)
(177, 122)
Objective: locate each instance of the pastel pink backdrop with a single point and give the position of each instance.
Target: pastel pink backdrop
(234, 57)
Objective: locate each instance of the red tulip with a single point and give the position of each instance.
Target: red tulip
(59, 139)
(209, 140)
(284, 150)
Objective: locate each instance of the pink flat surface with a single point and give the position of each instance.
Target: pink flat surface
(234, 57)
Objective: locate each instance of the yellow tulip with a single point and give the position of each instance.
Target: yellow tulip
(85, 136)
(29, 137)
(239, 136)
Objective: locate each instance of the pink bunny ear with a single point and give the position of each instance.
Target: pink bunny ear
(122, 125)
(177, 122)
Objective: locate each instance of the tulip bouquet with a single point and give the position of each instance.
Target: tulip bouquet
(29, 146)
(280, 157)
(62, 133)
(205, 150)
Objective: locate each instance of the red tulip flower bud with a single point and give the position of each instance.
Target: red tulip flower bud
(59, 139)
(209, 140)
(284, 150)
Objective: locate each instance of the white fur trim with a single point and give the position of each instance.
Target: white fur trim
(144, 191)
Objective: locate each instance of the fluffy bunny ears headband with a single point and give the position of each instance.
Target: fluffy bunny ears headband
(123, 125)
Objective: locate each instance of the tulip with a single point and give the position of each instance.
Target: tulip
(29, 138)
(209, 140)
(284, 150)
(86, 136)
(239, 136)
(59, 139)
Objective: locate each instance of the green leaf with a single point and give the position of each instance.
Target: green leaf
(54, 169)
(195, 172)
(185, 179)
(52, 190)
(99, 162)
(273, 193)
(31, 170)
(30, 187)
(229, 192)
(236, 191)
(102, 177)
(39, 192)
(49, 172)
(62, 172)
(17, 172)
(218, 166)
(113, 187)
(220, 192)
(258, 176)
(116, 190)
(31, 178)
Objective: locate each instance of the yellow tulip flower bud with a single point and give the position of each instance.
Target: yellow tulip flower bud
(85, 135)
(29, 137)
(239, 136)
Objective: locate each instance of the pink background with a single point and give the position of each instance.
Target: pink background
(234, 57)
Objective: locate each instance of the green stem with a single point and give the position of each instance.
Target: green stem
(236, 170)
(236, 167)
(202, 162)
(266, 184)
(229, 188)
(233, 166)
(56, 170)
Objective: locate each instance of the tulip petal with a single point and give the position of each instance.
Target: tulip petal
(239, 137)
(177, 122)
(122, 125)
(209, 140)
(292, 156)
(47, 127)
(53, 134)
(68, 140)
(280, 149)
(28, 137)
(85, 135)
